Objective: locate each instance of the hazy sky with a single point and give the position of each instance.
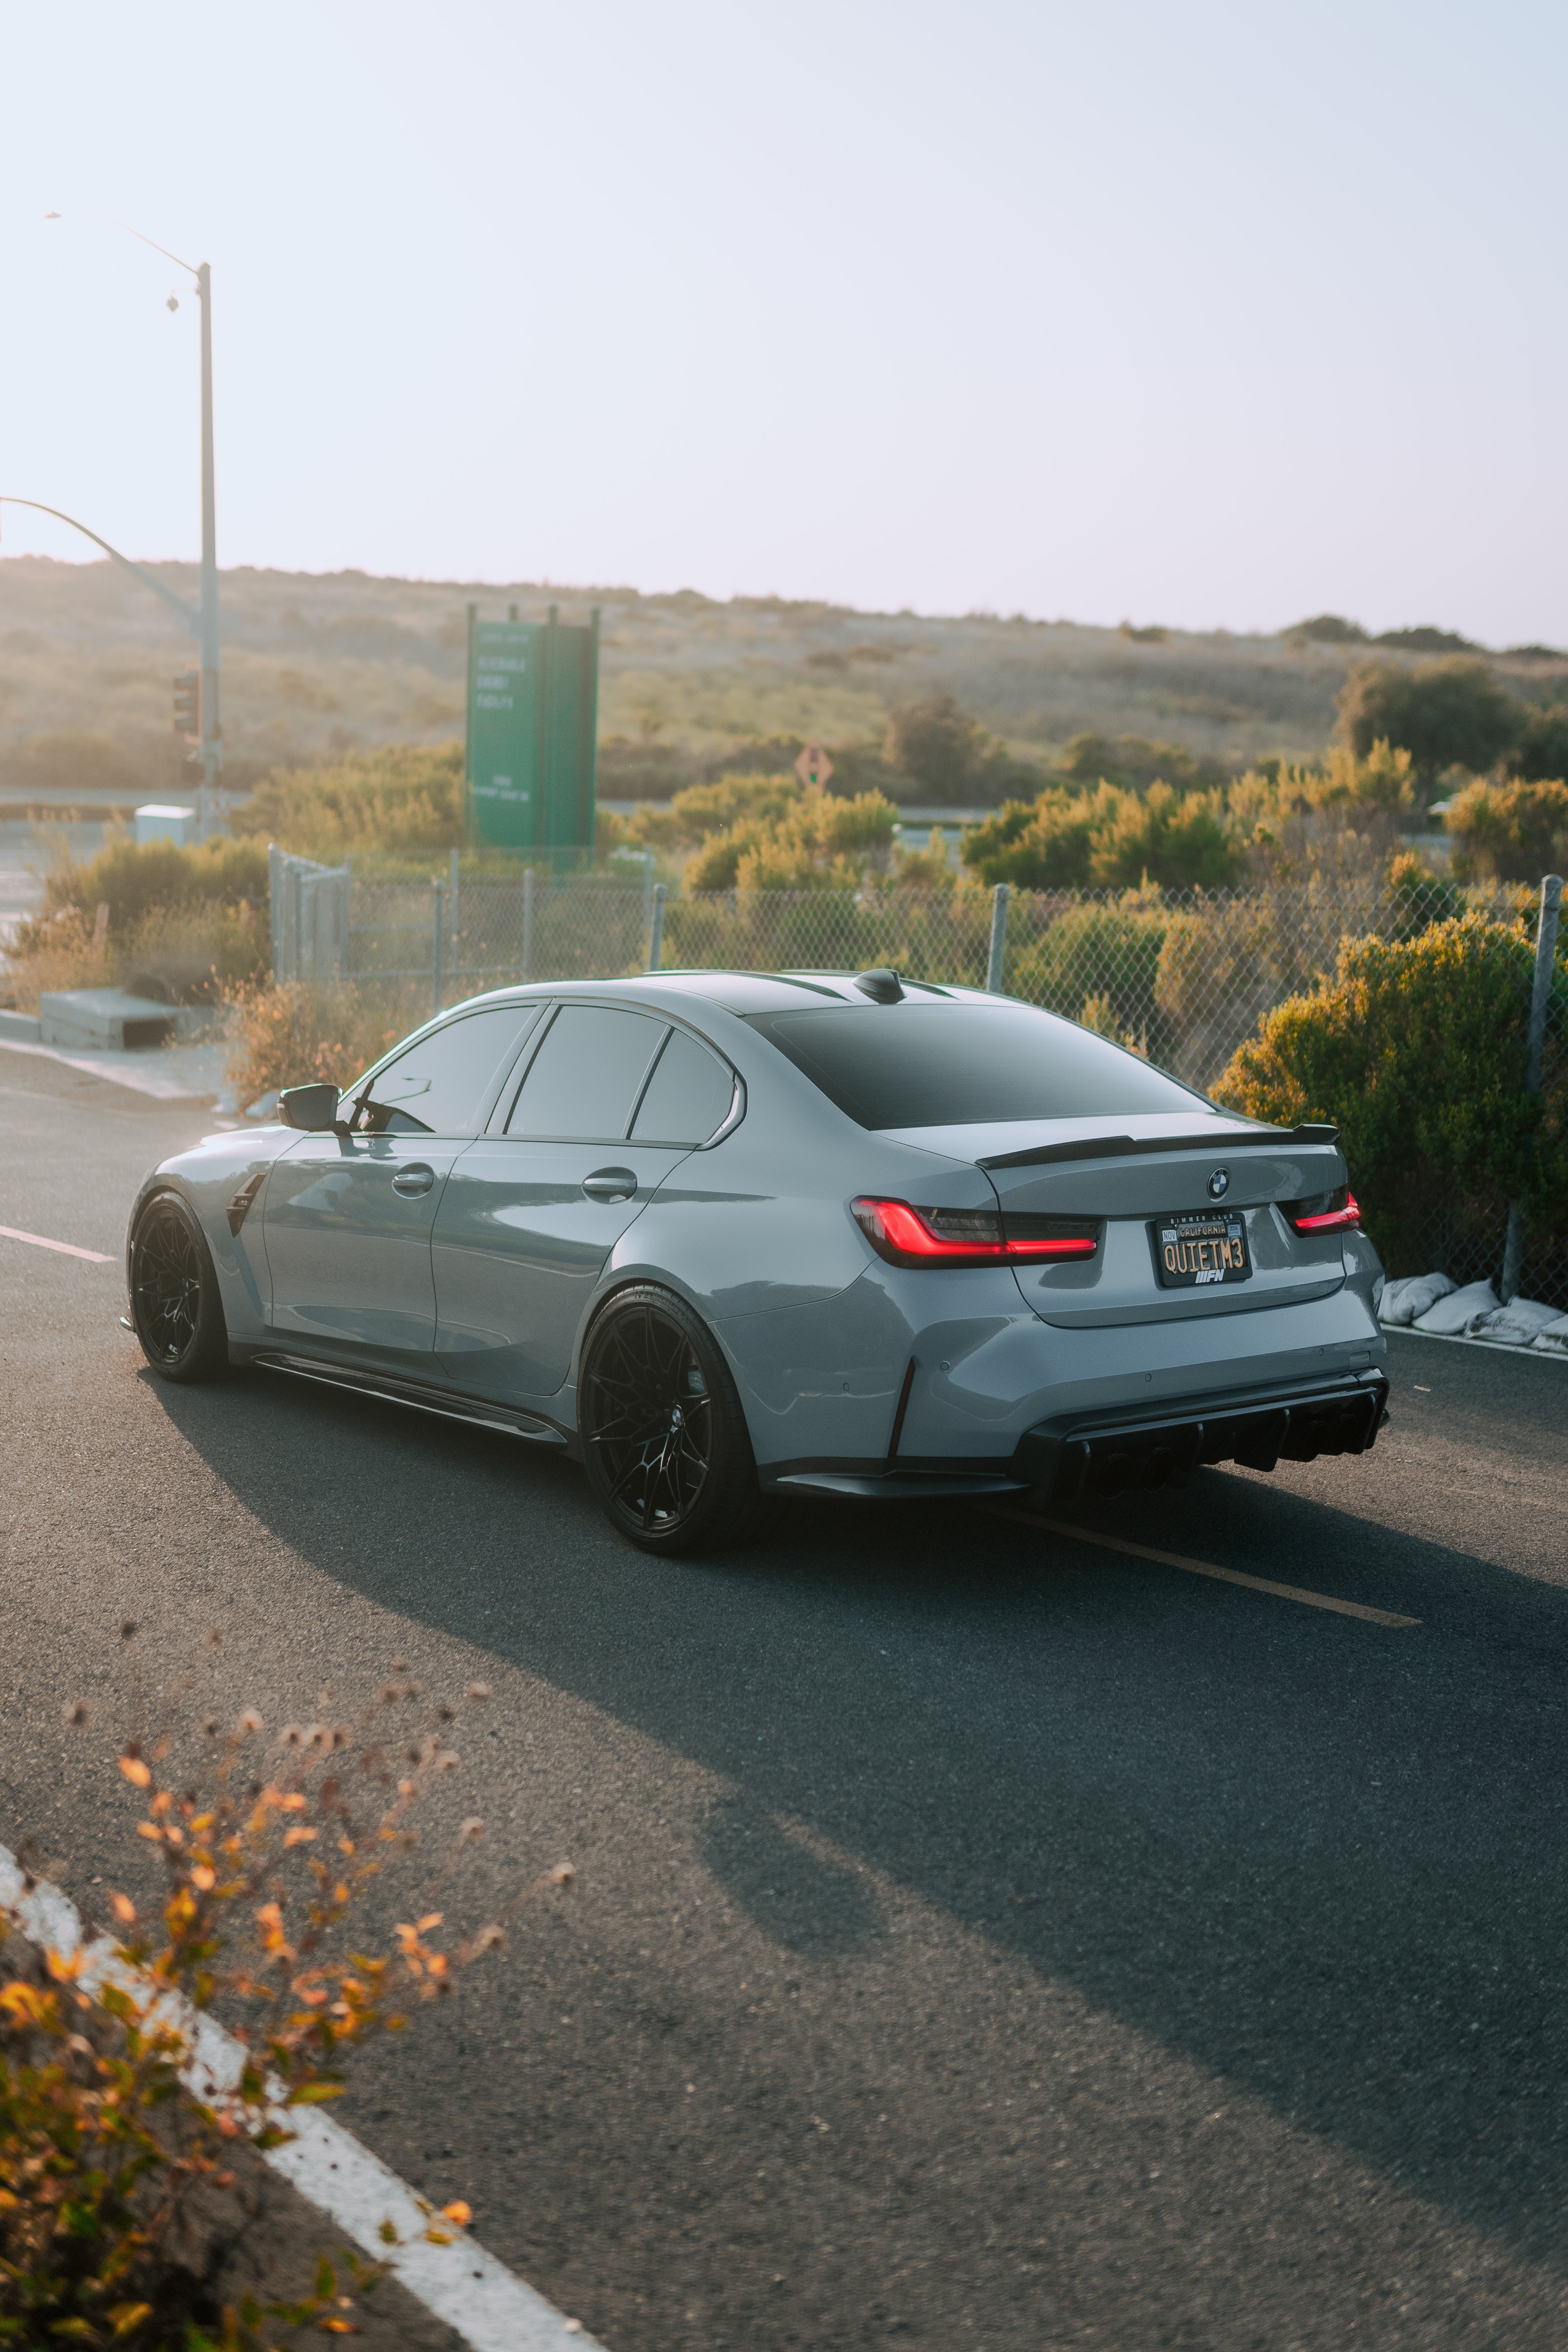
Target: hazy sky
(1209, 314)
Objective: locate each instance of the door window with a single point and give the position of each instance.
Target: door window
(586, 1075)
(688, 1096)
(439, 1085)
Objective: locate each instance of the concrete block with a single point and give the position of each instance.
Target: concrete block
(100, 1017)
(156, 821)
(22, 1028)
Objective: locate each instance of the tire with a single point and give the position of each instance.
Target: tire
(665, 1442)
(174, 1301)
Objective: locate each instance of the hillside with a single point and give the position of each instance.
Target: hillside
(318, 664)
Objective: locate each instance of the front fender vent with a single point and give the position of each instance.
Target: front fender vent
(238, 1207)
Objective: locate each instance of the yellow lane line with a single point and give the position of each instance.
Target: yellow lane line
(66, 1249)
(1204, 1567)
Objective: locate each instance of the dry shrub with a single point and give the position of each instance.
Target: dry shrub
(111, 2133)
(171, 955)
(193, 955)
(65, 951)
(180, 926)
(297, 1033)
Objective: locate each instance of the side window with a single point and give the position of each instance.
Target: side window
(586, 1076)
(688, 1096)
(439, 1085)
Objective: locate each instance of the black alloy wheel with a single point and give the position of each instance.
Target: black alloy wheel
(663, 1439)
(174, 1301)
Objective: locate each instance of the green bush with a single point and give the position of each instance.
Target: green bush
(1445, 714)
(1416, 1050)
(701, 811)
(184, 925)
(1099, 965)
(937, 751)
(405, 797)
(814, 843)
(1544, 744)
(1327, 629)
(1426, 640)
(1420, 896)
(133, 880)
(1134, 762)
(935, 744)
(1220, 967)
(1515, 832)
(1110, 839)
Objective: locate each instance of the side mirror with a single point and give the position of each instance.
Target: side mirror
(314, 1109)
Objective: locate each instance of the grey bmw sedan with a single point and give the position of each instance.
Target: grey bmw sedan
(721, 1236)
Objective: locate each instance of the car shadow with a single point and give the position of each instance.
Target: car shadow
(1320, 1857)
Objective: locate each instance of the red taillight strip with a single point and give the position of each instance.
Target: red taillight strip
(898, 1232)
(1053, 1245)
(1330, 1221)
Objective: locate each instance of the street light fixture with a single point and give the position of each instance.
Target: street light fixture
(210, 751)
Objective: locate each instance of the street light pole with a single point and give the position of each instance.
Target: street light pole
(212, 733)
(210, 749)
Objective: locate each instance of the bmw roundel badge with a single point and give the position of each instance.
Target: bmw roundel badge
(1219, 1183)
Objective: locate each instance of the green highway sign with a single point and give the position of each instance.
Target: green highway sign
(534, 692)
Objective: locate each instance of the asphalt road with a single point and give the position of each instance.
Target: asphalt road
(983, 1938)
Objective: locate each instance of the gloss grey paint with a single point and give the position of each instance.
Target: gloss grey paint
(485, 1281)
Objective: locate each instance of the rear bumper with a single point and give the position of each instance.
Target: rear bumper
(1085, 1454)
(1104, 1454)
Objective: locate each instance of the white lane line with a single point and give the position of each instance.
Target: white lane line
(1498, 1347)
(491, 2308)
(66, 1249)
(1204, 1567)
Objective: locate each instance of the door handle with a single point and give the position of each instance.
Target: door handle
(411, 1181)
(610, 1185)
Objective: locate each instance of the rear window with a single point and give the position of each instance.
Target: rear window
(688, 1096)
(956, 1065)
(587, 1074)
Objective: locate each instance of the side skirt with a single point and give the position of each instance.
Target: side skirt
(891, 1480)
(419, 1396)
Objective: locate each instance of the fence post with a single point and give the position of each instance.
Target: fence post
(274, 905)
(656, 929)
(1540, 999)
(527, 921)
(998, 939)
(438, 945)
(452, 915)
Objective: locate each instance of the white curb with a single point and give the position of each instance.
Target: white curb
(489, 2307)
(1462, 1339)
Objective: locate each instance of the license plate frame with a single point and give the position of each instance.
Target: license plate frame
(1195, 1251)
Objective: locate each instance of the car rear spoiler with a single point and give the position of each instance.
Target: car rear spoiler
(1119, 1147)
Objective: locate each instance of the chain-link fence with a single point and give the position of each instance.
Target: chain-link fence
(1183, 977)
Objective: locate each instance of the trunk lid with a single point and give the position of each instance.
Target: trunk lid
(1129, 1173)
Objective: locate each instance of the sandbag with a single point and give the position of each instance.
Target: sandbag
(1515, 1325)
(1403, 1300)
(1552, 1338)
(1457, 1315)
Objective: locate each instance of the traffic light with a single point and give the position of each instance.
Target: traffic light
(188, 705)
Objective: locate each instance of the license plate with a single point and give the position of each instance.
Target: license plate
(1190, 1252)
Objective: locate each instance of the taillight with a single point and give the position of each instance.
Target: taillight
(907, 1236)
(1329, 1213)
